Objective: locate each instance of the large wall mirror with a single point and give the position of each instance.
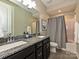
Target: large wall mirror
(15, 20)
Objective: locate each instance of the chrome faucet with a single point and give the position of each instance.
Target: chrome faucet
(9, 37)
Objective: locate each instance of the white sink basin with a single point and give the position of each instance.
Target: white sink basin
(12, 45)
(41, 36)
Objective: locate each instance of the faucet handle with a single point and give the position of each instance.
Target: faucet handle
(10, 34)
(9, 37)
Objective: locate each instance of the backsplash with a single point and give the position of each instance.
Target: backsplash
(15, 38)
(5, 40)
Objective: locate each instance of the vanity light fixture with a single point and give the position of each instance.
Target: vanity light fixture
(32, 5)
(59, 11)
(48, 1)
(29, 3)
(19, 0)
(26, 2)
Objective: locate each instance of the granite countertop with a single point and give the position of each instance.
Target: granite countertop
(29, 41)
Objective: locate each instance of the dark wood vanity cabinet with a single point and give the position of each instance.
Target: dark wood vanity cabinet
(27, 53)
(46, 48)
(18, 55)
(31, 56)
(43, 49)
(30, 53)
(40, 50)
(39, 53)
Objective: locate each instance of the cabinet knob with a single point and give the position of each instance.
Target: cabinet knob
(40, 54)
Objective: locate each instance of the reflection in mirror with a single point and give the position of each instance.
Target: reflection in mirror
(29, 29)
(5, 19)
(19, 0)
(15, 19)
(34, 27)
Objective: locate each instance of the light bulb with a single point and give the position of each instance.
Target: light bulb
(19, 0)
(59, 10)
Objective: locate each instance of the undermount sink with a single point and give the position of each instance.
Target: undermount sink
(41, 36)
(12, 45)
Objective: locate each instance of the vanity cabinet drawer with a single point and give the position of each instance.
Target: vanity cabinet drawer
(46, 48)
(29, 50)
(19, 55)
(46, 41)
(38, 45)
(23, 53)
(39, 54)
(31, 56)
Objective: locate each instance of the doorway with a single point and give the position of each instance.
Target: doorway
(70, 21)
(70, 28)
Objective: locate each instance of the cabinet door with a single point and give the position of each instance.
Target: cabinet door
(48, 49)
(22, 54)
(39, 53)
(44, 52)
(32, 56)
(18, 55)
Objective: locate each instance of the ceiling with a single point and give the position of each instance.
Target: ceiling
(54, 7)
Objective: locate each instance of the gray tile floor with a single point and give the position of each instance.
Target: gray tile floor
(62, 55)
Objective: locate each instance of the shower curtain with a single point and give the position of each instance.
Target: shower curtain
(57, 31)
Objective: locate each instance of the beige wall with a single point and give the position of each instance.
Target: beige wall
(22, 18)
(70, 23)
(77, 11)
(77, 18)
(33, 27)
